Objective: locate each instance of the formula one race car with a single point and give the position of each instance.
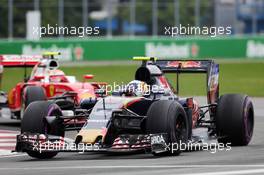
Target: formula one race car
(144, 115)
(46, 81)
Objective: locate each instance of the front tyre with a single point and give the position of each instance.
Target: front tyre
(34, 122)
(166, 116)
(234, 119)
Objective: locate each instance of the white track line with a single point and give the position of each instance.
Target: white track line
(8, 131)
(10, 155)
(238, 172)
(5, 153)
(147, 167)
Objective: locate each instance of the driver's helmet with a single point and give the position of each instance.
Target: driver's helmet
(137, 88)
(56, 72)
(57, 76)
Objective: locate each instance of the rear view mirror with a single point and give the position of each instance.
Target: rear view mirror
(38, 78)
(88, 77)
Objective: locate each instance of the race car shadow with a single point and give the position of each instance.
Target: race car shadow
(97, 156)
(7, 122)
(12, 124)
(9, 125)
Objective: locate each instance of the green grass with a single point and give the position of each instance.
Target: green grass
(245, 78)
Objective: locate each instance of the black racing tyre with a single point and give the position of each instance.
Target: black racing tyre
(30, 94)
(234, 119)
(34, 122)
(33, 93)
(165, 116)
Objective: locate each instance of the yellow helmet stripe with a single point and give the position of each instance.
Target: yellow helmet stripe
(144, 58)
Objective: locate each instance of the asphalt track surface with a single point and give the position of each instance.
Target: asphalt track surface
(240, 160)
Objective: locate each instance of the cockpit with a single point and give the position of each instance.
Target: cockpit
(47, 71)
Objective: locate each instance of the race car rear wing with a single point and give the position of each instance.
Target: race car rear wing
(178, 66)
(19, 60)
(209, 67)
(184, 66)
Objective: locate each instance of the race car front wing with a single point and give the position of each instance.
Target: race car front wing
(49, 143)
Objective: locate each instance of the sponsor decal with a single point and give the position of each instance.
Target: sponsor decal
(68, 53)
(157, 139)
(172, 50)
(60, 90)
(86, 95)
(195, 50)
(78, 52)
(167, 51)
(255, 49)
(21, 58)
(184, 64)
(213, 83)
(17, 60)
(52, 90)
(11, 97)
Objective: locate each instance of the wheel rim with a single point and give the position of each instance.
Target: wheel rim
(181, 129)
(22, 109)
(52, 111)
(249, 124)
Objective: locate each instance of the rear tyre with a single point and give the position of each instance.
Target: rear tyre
(30, 94)
(234, 119)
(34, 122)
(168, 117)
(33, 93)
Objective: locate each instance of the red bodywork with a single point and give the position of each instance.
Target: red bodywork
(53, 80)
(83, 90)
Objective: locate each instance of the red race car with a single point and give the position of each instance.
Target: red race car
(46, 81)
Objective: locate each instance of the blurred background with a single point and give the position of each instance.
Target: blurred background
(133, 27)
(130, 28)
(133, 17)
